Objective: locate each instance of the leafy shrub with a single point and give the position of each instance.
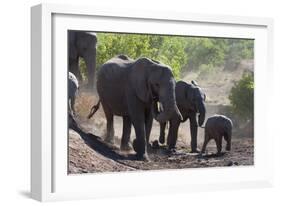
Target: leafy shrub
(208, 51)
(242, 97)
(170, 51)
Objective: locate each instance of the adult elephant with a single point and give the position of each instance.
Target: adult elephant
(82, 44)
(129, 88)
(190, 101)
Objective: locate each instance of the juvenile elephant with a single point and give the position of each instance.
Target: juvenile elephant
(73, 87)
(82, 44)
(216, 127)
(190, 101)
(129, 88)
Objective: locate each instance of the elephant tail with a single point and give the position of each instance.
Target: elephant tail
(94, 109)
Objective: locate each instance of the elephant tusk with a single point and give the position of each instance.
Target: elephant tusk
(155, 110)
(160, 107)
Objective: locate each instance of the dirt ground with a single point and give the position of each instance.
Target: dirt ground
(88, 152)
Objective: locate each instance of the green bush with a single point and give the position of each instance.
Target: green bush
(178, 52)
(166, 49)
(242, 97)
(209, 51)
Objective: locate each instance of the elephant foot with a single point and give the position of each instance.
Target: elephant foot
(109, 140)
(195, 151)
(139, 155)
(171, 147)
(155, 144)
(135, 145)
(172, 150)
(142, 157)
(162, 140)
(219, 154)
(201, 153)
(228, 148)
(126, 147)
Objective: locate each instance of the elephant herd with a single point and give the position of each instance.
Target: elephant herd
(142, 90)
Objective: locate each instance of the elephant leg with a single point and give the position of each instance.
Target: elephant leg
(193, 132)
(162, 132)
(219, 144)
(126, 134)
(173, 133)
(206, 141)
(137, 116)
(148, 125)
(227, 138)
(109, 127)
(90, 61)
(139, 144)
(74, 68)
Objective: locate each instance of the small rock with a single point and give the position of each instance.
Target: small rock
(229, 163)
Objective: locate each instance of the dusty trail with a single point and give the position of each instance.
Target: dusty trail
(89, 153)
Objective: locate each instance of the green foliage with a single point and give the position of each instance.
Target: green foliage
(208, 51)
(216, 52)
(172, 53)
(180, 53)
(165, 49)
(242, 97)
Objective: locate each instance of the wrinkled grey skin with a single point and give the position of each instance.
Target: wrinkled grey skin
(190, 101)
(73, 87)
(128, 88)
(82, 44)
(217, 127)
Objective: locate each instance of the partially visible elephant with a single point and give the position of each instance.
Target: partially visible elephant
(216, 127)
(190, 101)
(73, 87)
(82, 44)
(129, 88)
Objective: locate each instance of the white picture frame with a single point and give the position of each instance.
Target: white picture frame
(49, 178)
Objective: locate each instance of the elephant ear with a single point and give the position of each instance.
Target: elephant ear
(139, 78)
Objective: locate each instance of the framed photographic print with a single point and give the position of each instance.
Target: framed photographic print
(124, 100)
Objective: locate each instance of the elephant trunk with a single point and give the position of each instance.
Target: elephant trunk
(202, 113)
(169, 107)
(90, 60)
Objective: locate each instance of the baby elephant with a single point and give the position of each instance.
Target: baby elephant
(216, 127)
